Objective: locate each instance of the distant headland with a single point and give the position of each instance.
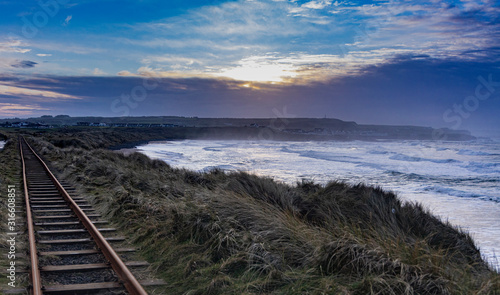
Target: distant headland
(247, 128)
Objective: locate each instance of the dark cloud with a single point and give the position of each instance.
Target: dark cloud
(24, 64)
(412, 90)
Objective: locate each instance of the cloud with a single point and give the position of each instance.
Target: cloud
(17, 89)
(438, 29)
(43, 54)
(160, 73)
(221, 40)
(24, 64)
(66, 47)
(287, 40)
(322, 4)
(242, 20)
(67, 20)
(13, 46)
(297, 68)
(19, 110)
(260, 69)
(409, 89)
(307, 40)
(125, 73)
(98, 72)
(169, 59)
(303, 68)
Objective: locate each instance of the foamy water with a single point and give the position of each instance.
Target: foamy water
(2, 144)
(458, 181)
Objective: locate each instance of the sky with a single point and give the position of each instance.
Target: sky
(399, 62)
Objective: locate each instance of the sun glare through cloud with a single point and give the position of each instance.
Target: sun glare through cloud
(253, 70)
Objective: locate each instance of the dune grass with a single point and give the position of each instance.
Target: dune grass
(10, 171)
(237, 233)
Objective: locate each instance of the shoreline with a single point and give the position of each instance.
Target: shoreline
(127, 151)
(254, 231)
(132, 144)
(404, 193)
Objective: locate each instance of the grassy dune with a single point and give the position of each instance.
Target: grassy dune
(10, 171)
(236, 233)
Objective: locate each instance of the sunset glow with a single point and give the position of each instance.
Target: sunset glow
(265, 72)
(401, 62)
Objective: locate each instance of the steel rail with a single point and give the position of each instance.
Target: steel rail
(124, 274)
(36, 280)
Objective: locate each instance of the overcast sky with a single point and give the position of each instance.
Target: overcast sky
(431, 63)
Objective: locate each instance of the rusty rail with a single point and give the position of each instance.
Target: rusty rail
(36, 281)
(126, 277)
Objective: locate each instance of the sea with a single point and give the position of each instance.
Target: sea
(457, 181)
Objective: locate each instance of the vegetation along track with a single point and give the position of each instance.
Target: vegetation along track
(68, 251)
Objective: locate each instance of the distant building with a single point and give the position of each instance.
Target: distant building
(294, 131)
(118, 125)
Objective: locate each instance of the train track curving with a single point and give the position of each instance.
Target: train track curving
(70, 245)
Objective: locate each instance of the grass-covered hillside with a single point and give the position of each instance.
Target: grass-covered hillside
(10, 174)
(236, 233)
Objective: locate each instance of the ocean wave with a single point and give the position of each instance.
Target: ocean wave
(465, 152)
(212, 149)
(483, 167)
(406, 158)
(335, 157)
(477, 181)
(169, 154)
(401, 157)
(387, 164)
(285, 149)
(407, 176)
(480, 180)
(329, 157)
(377, 152)
(325, 156)
(442, 161)
(459, 193)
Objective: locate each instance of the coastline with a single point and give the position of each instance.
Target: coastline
(126, 151)
(412, 168)
(260, 234)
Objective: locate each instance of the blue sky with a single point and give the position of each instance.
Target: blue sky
(381, 62)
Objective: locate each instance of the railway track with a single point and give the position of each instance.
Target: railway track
(70, 246)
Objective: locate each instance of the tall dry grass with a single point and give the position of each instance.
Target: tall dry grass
(10, 174)
(236, 233)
